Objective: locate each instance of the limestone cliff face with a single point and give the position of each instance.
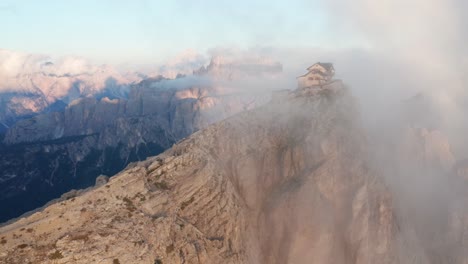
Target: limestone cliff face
(285, 183)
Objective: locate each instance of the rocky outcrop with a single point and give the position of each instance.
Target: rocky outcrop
(288, 182)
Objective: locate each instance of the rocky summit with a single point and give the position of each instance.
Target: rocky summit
(287, 182)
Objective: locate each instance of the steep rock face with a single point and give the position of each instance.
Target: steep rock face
(15, 105)
(285, 183)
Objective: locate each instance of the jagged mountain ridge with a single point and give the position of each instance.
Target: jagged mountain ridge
(285, 183)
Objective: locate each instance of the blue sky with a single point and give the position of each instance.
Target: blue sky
(144, 31)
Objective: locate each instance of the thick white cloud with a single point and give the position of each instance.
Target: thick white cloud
(54, 77)
(416, 45)
(426, 35)
(14, 63)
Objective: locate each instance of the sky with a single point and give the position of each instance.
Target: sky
(145, 31)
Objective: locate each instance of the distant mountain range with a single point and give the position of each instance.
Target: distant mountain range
(32, 84)
(63, 129)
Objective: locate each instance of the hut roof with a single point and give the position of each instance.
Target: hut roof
(328, 66)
